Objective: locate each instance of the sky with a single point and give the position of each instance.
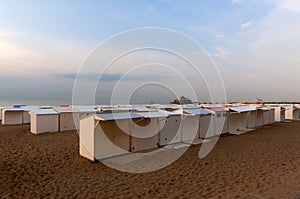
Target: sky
(254, 44)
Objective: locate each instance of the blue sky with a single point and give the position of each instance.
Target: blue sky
(254, 43)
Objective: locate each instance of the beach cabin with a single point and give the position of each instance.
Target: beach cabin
(84, 111)
(144, 132)
(221, 121)
(26, 113)
(219, 115)
(105, 135)
(170, 130)
(272, 115)
(68, 118)
(190, 123)
(207, 126)
(259, 117)
(238, 118)
(233, 121)
(245, 112)
(298, 106)
(12, 116)
(1, 113)
(266, 116)
(292, 112)
(43, 120)
(26, 116)
(279, 113)
(252, 117)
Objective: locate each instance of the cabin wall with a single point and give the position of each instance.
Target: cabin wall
(233, 122)
(87, 138)
(68, 121)
(1, 113)
(282, 115)
(144, 134)
(190, 128)
(266, 118)
(207, 126)
(296, 114)
(26, 117)
(47, 123)
(170, 131)
(251, 119)
(12, 117)
(272, 115)
(221, 123)
(259, 118)
(279, 114)
(33, 124)
(289, 113)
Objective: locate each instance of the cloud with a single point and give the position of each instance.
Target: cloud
(279, 30)
(267, 55)
(290, 5)
(30, 54)
(110, 77)
(88, 76)
(235, 1)
(220, 35)
(221, 52)
(10, 33)
(247, 24)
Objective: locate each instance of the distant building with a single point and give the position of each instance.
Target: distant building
(182, 100)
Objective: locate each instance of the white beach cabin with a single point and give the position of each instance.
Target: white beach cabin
(12, 116)
(272, 115)
(145, 131)
(279, 113)
(105, 135)
(252, 117)
(68, 118)
(238, 118)
(292, 112)
(266, 115)
(170, 132)
(233, 121)
(259, 116)
(190, 124)
(220, 120)
(26, 113)
(207, 125)
(298, 106)
(43, 120)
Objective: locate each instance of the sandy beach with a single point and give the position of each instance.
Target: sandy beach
(264, 163)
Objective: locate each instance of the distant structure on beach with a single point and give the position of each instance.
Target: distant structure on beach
(182, 100)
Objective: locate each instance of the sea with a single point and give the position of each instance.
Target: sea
(38, 102)
(66, 101)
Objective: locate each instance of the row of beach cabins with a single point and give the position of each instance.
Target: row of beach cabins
(108, 131)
